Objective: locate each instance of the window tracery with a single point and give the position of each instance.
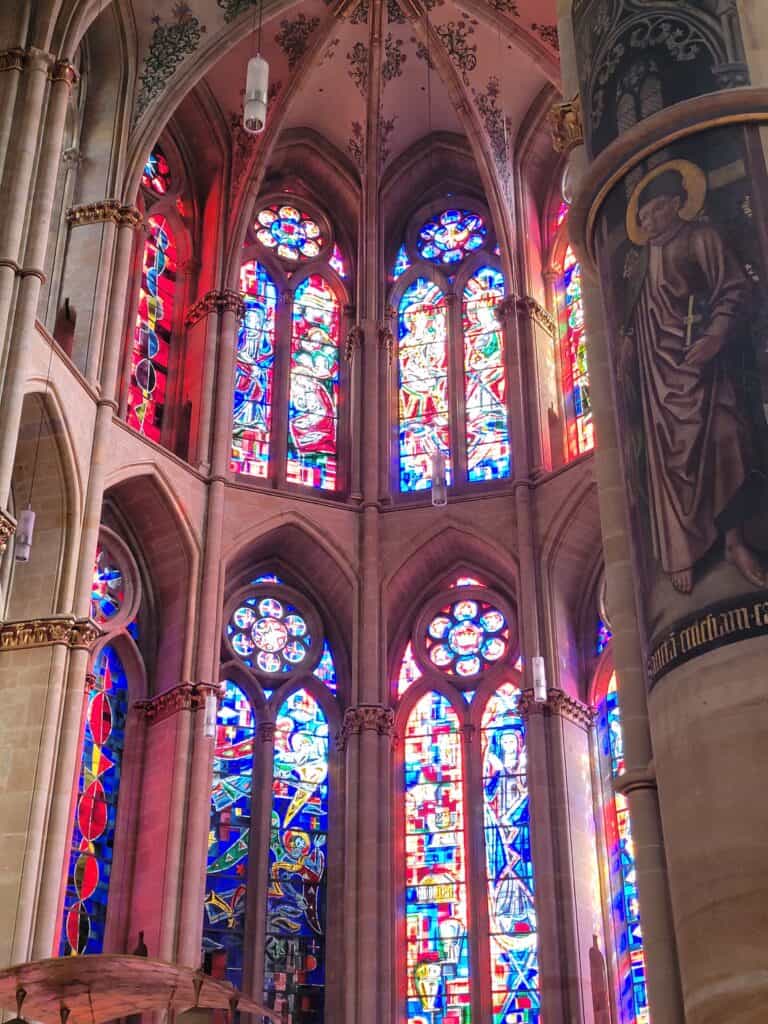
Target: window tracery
(289, 374)
(115, 598)
(441, 880)
(156, 175)
(452, 393)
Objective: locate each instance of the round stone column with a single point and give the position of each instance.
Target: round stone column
(672, 215)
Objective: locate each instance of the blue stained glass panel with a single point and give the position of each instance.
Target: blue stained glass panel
(511, 906)
(294, 969)
(423, 384)
(228, 837)
(314, 386)
(93, 835)
(437, 946)
(625, 905)
(254, 371)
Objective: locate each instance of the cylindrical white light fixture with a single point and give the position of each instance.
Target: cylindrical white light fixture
(25, 529)
(539, 678)
(439, 480)
(255, 104)
(211, 707)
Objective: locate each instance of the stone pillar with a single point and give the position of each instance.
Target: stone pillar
(672, 213)
(62, 76)
(203, 317)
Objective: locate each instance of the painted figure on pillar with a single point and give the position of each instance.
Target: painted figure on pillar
(681, 364)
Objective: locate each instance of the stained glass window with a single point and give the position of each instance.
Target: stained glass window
(107, 588)
(290, 232)
(157, 174)
(314, 386)
(602, 636)
(228, 837)
(450, 236)
(562, 213)
(93, 835)
(152, 336)
(625, 908)
(423, 384)
(402, 263)
(270, 634)
(511, 910)
(466, 637)
(580, 429)
(254, 373)
(337, 262)
(409, 670)
(485, 379)
(437, 947)
(294, 969)
(326, 668)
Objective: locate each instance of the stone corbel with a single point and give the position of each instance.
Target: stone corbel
(529, 307)
(58, 629)
(184, 697)
(363, 717)
(566, 126)
(7, 530)
(557, 703)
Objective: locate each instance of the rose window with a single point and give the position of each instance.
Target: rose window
(290, 232)
(451, 236)
(467, 637)
(107, 588)
(269, 634)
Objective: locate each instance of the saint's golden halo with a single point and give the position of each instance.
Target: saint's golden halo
(694, 183)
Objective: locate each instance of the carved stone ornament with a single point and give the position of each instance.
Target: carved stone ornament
(566, 126)
(365, 716)
(7, 529)
(557, 703)
(387, 340)
(528, 306)
(58, 629)
(204, 306)
(231, 302)
(353, 342)
(104, 211)
(505, 309)
(184, 697)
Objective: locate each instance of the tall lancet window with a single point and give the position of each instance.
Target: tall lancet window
(115, 598)
(226, 883)
(580, 431)
(452, 366)
(289, 410)
(622, 873)
(153, 333)
(277, 649)
(470, 944)
(294, 952)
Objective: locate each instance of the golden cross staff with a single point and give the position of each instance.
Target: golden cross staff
(689, 321)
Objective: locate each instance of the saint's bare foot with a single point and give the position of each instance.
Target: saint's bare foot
(682, 581)
(740, 556)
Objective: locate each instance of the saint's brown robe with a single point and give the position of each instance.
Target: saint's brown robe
(697, 437)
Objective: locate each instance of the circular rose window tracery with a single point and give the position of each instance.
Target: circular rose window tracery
(271, 632)
(466, 637)
(289, 231)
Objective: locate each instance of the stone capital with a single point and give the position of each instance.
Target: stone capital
(528, 307)
(566, 126)
(56, 629)
(374, 717)
(205, 305)
(353, 341)
(231, 301)
(7, 529)
(557, 703)
(63, 71)
(183, 697)
(12, 60)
